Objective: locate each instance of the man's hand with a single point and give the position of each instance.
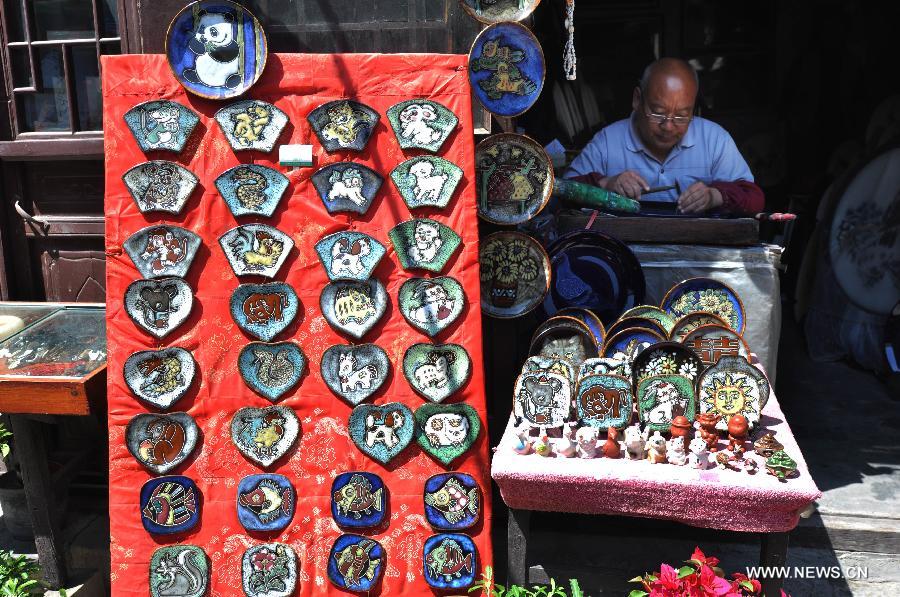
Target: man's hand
(699, 198)
(628, 183)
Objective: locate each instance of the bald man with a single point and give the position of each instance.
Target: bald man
(663, 143)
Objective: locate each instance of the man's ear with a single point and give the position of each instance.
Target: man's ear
(636, 98)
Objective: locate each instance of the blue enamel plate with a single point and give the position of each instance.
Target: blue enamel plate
(450, 561)
(506, 69)
(216, 48)
(265, 502)
(358, 500)
(706, 295)
(452, 501)
(169, 505)
(356, 563)
(251, 189)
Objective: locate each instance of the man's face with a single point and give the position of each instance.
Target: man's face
(669, 96)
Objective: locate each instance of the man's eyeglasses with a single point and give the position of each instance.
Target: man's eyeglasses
(661, 119)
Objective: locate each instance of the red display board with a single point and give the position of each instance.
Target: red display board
(296, 83)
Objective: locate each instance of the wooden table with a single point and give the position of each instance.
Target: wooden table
(28, 394)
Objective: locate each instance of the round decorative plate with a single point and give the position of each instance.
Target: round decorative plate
(216, 48)
(588, 318)
(864, 242)
(506, 68)
(666, 321)
(711, 342)
(564, 337)
(515, 274)
(496, 11)
(630, 342)
(709, 296)
(691, 322)
(667, 358)
(514, 176)
(733, 386)
(626, 323)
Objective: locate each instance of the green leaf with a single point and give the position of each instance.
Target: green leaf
(575, 588)
(637, 593)
(685, 571)
(637, 579)
(4, 450)
(746, 585)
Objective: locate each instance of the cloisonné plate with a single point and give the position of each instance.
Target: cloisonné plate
(265, 502)
(163, 250)
(343, 125)
(733, 386)
(661, 398)
(356, 563)
(251, 124)
(216, 48)
(543, 399)
(270, 370)
(347, 187)
(161, 442)
(665, 320)
(426, 181)
(606, 366)
(667, 358)
(515, 274)
(359, 500)
(563, 337)
(264, 310)
(422, 124)
(449, 561)
(264, 435)
(496, 11)
(706, 295)
(251, 189)
(514, 177)
(631, 342)
(353, 307)
(256, 249)
(431, 305)
(423, 243)
(604, 401)
(161, 125)
(160, 186)
(381, 432)
(349, 255)
(184, 567)
(159, 306)
(644, 323)
(711, 342)
(446, 431)
(436, 371)
(169, 505)
(691, 322)
(559, 365)
(269, 570)
(354, 372)
(588, 318)
(160, 377)
(506, 69)
(452, 501)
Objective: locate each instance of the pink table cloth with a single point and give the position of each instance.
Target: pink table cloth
(714, 498)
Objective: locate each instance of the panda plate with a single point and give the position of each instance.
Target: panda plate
(216, 48)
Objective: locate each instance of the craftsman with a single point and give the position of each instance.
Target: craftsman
(663, 144)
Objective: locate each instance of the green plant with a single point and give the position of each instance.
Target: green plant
(18, 575)
(490, 588)
(5, 439)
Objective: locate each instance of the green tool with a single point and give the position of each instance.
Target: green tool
(585, 195)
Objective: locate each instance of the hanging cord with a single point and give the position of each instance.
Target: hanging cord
(569, 59)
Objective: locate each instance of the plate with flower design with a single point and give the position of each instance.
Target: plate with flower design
(515, 274)
(709, 296)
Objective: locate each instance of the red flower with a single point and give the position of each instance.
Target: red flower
(263, 560)
(710, 584)
(668, 584)
(700, 559)
(742, 580)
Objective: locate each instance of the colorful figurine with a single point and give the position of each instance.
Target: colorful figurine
(767, 445)
(681, 428)
(706, 423)
(611, 448)
(781, 465)
(523, 443)
(542, 446)
(656, 448)
(567, 447)
(738, 428)
(634, 443)
(698, 456)
(587, 438)
(675, 452)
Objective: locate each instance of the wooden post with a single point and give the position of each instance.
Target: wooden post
(773, 552)
(39, 492)
(517, 547)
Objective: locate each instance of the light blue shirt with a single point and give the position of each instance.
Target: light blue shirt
(705, 153)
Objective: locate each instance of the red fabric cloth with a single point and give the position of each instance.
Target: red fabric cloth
(296, 83)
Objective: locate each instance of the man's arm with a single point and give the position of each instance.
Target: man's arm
(731, 176)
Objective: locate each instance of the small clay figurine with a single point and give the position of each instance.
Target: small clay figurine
(736, 462)
(542, 446)
(738, 428)
(675, 452)
(567, 446)
(611, 448)
(781, 465)
(706, 423)
(634, 443)
(698, 456)
(656, 448)
(681, 428)
(587, 442)
(767, 445)
(523, 443)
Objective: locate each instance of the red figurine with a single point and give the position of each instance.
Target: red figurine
(681, 427)
(708, 431)
(738, 429)
(611, 447)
